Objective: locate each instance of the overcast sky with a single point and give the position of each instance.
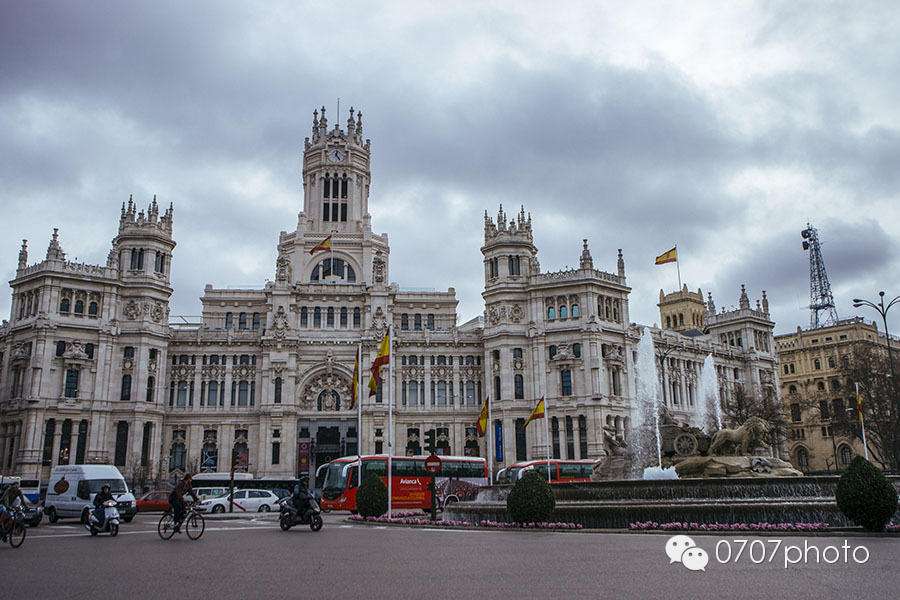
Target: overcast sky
(722, 126)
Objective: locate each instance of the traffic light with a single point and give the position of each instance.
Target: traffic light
(431, 441)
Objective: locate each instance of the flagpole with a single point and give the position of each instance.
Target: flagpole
(491, 442)
(331, 248)
(862, 427)
(547, 432)
(677, 267)
(359, 398)
(390, 400)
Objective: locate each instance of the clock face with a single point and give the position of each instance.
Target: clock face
(336, 155)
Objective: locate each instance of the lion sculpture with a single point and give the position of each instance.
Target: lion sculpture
(746, 438)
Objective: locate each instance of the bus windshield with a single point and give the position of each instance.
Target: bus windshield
(336, 476)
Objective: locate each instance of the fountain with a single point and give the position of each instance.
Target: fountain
(708, 390)
(645, 411)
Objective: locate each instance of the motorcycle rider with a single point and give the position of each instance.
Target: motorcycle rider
(301, 496)
(99, 499)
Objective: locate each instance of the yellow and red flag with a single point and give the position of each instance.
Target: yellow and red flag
(537, 413)
(354, 387)
(384, 352)
(667, 257)
(323, 245)
(859, 406)
(483, 418)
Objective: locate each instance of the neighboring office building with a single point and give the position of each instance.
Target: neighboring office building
(813, 390)
(92, 369)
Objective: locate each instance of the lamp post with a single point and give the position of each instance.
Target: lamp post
(882, 310)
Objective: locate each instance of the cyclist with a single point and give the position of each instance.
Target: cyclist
(176, 499)
(6, 501)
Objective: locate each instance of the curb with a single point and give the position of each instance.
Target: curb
(837, 532)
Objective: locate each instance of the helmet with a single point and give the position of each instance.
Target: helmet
(105, 486)
(304, 481)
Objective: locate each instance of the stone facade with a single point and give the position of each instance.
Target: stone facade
(813, 388)
(93, 369)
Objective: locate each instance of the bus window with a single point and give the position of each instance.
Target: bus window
(352, 475)
(407, 467)
(375, 467)
(542, 470)
(335, 479)
(569, 471)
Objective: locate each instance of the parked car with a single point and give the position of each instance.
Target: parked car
(155, 500)
(244, 501)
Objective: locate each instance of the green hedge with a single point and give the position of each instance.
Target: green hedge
(865, 496)
(531, 499)
(372, 497)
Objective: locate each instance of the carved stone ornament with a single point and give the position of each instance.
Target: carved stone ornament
(21, 351)
(127, 364)
(132, 310)
(75, 350)
(518, 364)
(379, 323)
(614, 354)
(157, 312)
(516, 314)
(318, 384)
(212, 372)
(282, 268)
(378, 267)
(280, 324)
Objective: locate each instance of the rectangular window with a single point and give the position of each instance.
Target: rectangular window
(276, 453)
(566, 382)
(795, 413)
(71, 383)
(334, 210)
(344, 211)
(326, 210)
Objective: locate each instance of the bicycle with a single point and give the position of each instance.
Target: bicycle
(193, 524)
(14, 527)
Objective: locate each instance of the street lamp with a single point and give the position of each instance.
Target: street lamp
(882, 310)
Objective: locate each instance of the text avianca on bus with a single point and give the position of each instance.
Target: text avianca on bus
(460, 479)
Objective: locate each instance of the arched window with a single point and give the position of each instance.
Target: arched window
(64, 305)
(177, 457)
(329, 319)
(417, 322)
(551, 313)
(470, 393)
(680, 319)
(430, 324)
(126, 387)
(243, 393)
(242, 321)
(92, 309)
(278, 390)
(229, 320)
(574, 310)
(209, 454)
(803, 459)
(496, 387)
(413, 393)
(255, 320)
(517, 353)
(846, 455)
(304, 316)
(562, 311)
(343, 316)
(582, 437)
(356, 317)
(442, 393)
(553, 350)
(404, 322)
(338, 268)
(519, 387)
(817, 364)
(317, 317)
(181, 399)
(212, 391)
(792, 389)
(79, 307)
(576, 350)
(668, 322)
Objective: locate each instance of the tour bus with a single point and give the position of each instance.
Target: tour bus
(31, 488)
(561, 471)
(459, 480)
(210, 484)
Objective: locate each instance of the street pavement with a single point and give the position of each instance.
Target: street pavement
(250, 557)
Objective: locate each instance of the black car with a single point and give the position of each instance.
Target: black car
(33, 514)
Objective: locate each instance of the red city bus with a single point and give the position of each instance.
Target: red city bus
(459, 480)
(561, 471)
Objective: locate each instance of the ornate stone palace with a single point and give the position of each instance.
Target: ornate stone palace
(93, 371)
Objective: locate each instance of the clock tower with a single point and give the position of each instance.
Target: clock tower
(336, 177)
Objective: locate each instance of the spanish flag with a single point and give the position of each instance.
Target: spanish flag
(323, 245)
(483, 418)
(859, 406)
(354, 387)
(667, 257)
(537, 413)
(384, 352)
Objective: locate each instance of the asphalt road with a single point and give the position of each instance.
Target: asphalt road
(251, 558)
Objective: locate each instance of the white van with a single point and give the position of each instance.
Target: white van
(71, 491)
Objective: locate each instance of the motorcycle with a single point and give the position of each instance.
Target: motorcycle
(290, 516)
(110, 520)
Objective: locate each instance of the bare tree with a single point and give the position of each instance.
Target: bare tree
(868, 365)
(747, 401)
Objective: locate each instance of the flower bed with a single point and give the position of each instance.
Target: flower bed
(676, 526)
(411, 518)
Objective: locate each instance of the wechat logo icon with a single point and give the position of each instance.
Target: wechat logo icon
(682, 549)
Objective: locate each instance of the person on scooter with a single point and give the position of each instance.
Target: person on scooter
(300, 497)
(99, 499)
(176, 499)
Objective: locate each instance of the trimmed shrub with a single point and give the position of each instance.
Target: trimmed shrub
(531, 499)
(865, 496)
(372, 497)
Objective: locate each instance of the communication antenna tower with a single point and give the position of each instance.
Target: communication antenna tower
(820, 298)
